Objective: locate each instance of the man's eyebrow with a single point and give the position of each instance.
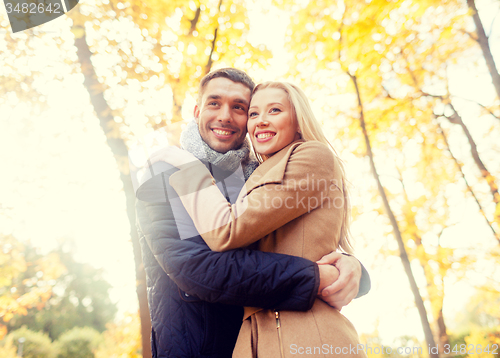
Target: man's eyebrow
(213, 96)
(241, 100)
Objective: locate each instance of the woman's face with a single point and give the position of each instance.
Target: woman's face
(271, 123)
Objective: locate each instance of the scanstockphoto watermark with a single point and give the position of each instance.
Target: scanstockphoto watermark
(26, 14)
(308, 183)
(308, 193)
(297, 201)
(352, 349)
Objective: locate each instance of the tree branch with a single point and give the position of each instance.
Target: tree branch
(492, 22)
(208, 66)
(485, 47)
(460, 169)
(472, 36)
(194, 22)
(479, 104)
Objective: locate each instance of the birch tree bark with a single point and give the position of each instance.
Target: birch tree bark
(482, 39)
(397, 233)
(120, 153)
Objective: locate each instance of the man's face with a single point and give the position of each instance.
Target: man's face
(223, 113)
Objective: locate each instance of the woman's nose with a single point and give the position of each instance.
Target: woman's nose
(262, 122)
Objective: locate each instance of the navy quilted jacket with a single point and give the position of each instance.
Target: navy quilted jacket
(196, 295)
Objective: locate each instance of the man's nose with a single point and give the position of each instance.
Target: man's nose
(224, 114)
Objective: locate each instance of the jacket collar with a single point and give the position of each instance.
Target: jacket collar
(272, 171)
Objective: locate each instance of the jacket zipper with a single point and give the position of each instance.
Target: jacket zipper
(278, 328)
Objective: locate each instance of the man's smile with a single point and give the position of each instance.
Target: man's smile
(222, 132)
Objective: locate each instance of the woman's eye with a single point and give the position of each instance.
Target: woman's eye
(252, 114)
(274, 110)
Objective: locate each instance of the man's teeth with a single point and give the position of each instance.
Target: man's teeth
(265, 135)
(218, 131)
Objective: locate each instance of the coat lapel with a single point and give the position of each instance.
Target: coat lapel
(272, 171)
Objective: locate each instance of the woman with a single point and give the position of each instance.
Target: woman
(294, 203)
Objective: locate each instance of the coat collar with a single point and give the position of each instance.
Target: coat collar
(272, 171)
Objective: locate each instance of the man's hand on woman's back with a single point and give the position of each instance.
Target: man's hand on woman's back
(345, 288)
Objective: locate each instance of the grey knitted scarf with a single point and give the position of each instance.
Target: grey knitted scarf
(230, 161)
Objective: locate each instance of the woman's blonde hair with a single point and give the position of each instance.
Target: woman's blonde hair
(311, 130)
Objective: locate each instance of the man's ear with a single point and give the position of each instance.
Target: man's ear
(196, 113)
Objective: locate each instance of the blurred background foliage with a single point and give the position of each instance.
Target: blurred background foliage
(407, 91)
(79, 296)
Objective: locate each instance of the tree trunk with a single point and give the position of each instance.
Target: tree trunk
(435, 293)
(397, 233)
(209, 64)
(435, 296)
(120, 153)
(485, 173)
(469, 188)
(174, 127)
(485, 47)
(443, 335)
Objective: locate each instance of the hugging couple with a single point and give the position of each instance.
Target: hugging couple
(237, 265)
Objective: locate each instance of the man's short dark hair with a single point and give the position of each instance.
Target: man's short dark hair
(230, 73)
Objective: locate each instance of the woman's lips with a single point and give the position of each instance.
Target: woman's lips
(264, 136)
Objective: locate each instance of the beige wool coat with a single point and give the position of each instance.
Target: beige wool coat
(292, 204)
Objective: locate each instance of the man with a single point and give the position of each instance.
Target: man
(196, 295)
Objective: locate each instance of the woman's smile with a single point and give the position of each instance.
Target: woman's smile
(264, 136)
